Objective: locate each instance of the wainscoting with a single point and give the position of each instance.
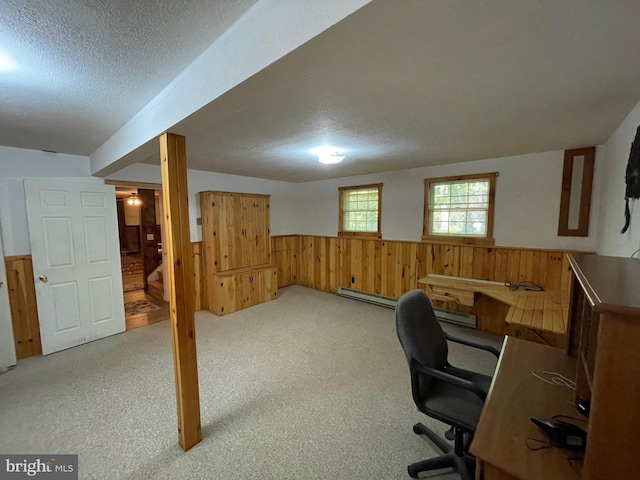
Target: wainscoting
(384, 267)
(24, 308)
(391, 268)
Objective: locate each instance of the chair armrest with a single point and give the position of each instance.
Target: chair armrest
(440, 375)
(473, 344)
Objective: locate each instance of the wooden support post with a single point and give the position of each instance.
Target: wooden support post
(179, 274)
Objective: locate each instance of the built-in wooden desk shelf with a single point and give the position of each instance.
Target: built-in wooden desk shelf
(463, 297)
(545, 311)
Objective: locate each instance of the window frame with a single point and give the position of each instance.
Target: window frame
(346, 233)
(487, 240)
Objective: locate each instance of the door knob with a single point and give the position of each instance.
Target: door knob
(43, 278)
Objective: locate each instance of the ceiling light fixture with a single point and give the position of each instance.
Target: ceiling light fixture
(328, 155)
(134, 200)
(330, 159)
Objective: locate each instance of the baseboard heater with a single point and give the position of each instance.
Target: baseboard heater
(450, 316)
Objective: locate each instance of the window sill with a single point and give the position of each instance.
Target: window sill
(361, 235)
(453, 240)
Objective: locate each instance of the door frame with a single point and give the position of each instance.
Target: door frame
(147, 186)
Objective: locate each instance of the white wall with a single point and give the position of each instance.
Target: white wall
(618, 146)
(283, 200)
(527, 201)
(527, 196)
(15, 165)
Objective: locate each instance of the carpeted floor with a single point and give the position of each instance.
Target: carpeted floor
(309, 386)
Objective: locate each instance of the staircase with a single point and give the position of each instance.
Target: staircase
(155, 288)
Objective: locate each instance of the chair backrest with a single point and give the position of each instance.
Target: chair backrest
(420, 333)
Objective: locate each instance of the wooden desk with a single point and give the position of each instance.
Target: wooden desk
(514, 397)
(545, 311)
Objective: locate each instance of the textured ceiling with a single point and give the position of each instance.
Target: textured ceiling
(395, 85)
(87, 66)
(432, 82)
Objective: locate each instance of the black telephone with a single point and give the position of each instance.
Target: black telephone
(563, 434)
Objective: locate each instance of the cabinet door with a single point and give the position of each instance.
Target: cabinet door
(269, 283)
(229, 235)
(226, 294)
(250, 283)
(255, 224)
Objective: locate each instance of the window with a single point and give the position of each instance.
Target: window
(459, 209)
(360, 210)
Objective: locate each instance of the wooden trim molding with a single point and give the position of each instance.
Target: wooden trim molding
(15, 258)
(451, 240)
(586, 183)
(361, 235)
(487, 240)
(129, 184)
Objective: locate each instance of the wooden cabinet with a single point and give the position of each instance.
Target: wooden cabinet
(236, 290)
(236, 242)
(604, 335)
(235, 230)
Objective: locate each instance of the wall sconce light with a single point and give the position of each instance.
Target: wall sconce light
(134, 200)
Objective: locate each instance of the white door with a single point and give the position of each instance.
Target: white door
(73, 229)
(7, 344)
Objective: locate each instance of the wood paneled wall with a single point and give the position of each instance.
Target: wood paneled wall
(384, 267)
(392, 268)
(24, 308)
(285, 253)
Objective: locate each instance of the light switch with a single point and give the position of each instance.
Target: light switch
(149, 236)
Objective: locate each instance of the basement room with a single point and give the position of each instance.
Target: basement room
(321, 239)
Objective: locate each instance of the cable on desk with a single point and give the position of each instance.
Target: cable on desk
(542, 444)
(525, 285)
(631, 256)
(556, 379)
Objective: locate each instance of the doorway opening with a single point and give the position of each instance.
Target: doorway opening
(140, 228)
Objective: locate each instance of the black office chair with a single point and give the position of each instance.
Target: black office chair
(441, 391)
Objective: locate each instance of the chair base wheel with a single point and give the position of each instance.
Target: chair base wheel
(463, 464)
(413, 473)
